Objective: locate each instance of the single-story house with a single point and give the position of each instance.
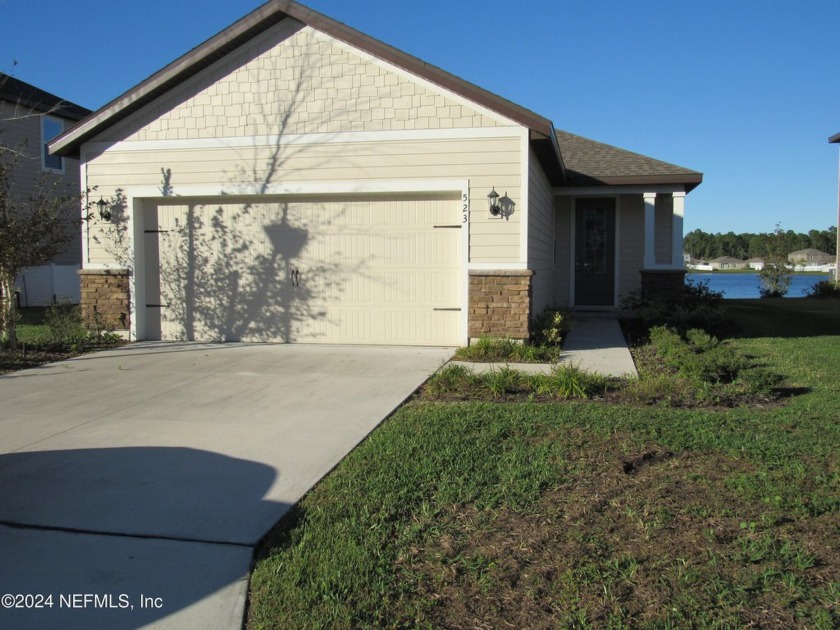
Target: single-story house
(292, 179)
(810, 256)
(727, 262)
(29, 118)
(756, 263)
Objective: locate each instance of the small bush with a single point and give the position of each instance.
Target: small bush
(64, 322)
(824, 289)
(566, 381)
(550, 327)
(699, 356)
(503, 381)
(697, 306)
(452, 379)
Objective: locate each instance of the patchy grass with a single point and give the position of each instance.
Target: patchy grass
(576, 514)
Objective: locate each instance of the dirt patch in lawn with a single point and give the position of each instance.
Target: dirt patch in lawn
(633, 537)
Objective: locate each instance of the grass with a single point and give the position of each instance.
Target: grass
(577, 514)
(784, 317)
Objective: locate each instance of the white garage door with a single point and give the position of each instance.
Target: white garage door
(343, 270)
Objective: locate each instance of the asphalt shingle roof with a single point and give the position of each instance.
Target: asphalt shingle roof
(591, 163)
(27, 95)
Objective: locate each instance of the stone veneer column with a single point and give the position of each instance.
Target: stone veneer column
(105, 292)
(500, 303)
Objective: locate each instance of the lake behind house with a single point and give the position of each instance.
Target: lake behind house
(746, 285)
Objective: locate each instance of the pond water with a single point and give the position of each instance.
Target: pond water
(746, 285)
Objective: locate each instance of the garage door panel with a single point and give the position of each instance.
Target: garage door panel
(349, 271)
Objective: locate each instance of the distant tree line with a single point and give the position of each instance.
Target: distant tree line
(705, 246)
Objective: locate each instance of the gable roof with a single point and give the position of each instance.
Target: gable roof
(591, 163)
(263, 18)
(727, 260)
(26, 95)
(595, 163)
(810, 252)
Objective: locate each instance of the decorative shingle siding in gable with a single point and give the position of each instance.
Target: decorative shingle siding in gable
(293, 80)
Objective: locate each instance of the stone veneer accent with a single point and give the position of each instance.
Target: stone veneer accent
(500, 303)
(662, 283)
(105, 291)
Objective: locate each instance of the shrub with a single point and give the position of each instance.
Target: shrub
(697, 306)
(550, 327)
(452, 379)
(824, 289)
(64, 322)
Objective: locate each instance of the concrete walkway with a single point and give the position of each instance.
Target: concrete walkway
(135, 483)
(595, 344)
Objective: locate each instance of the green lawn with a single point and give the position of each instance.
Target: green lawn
(580, 514)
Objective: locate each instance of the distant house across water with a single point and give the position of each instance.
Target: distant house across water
(727, 262)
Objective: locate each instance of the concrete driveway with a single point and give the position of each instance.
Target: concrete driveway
(135, 483)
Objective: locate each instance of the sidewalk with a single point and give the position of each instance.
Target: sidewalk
(595, 344)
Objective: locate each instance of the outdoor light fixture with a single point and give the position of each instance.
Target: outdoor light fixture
(493, 203)
(104, 209)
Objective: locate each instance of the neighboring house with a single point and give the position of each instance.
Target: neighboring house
(727, 262)
(292, 179)
(29, 118)
(756, 263)
(809, 256)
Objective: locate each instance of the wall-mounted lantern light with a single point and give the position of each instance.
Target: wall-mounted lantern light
(500, 205)
(104, 209)
(493, 203)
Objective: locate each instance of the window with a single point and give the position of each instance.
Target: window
(50, 128)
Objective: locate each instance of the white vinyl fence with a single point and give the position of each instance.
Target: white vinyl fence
(42, 286)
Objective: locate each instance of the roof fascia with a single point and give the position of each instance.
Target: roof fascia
(689, 180)
(835, 138)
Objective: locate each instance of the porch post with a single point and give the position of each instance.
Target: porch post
(677, 231)
(650, 229)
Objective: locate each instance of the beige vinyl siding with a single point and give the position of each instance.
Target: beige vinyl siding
(282, 103)
(20, 129)
(631, 240)
(563, 268)
(541, 235)
(485, 162)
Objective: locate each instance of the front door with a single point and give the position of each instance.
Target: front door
(594, 252)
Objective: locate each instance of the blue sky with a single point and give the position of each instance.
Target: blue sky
(746, 92)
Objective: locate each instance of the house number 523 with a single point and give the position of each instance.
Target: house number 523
(465, 208)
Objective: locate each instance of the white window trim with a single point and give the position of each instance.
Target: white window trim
(44, 167)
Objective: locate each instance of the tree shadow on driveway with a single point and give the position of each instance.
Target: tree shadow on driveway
(164, 527)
